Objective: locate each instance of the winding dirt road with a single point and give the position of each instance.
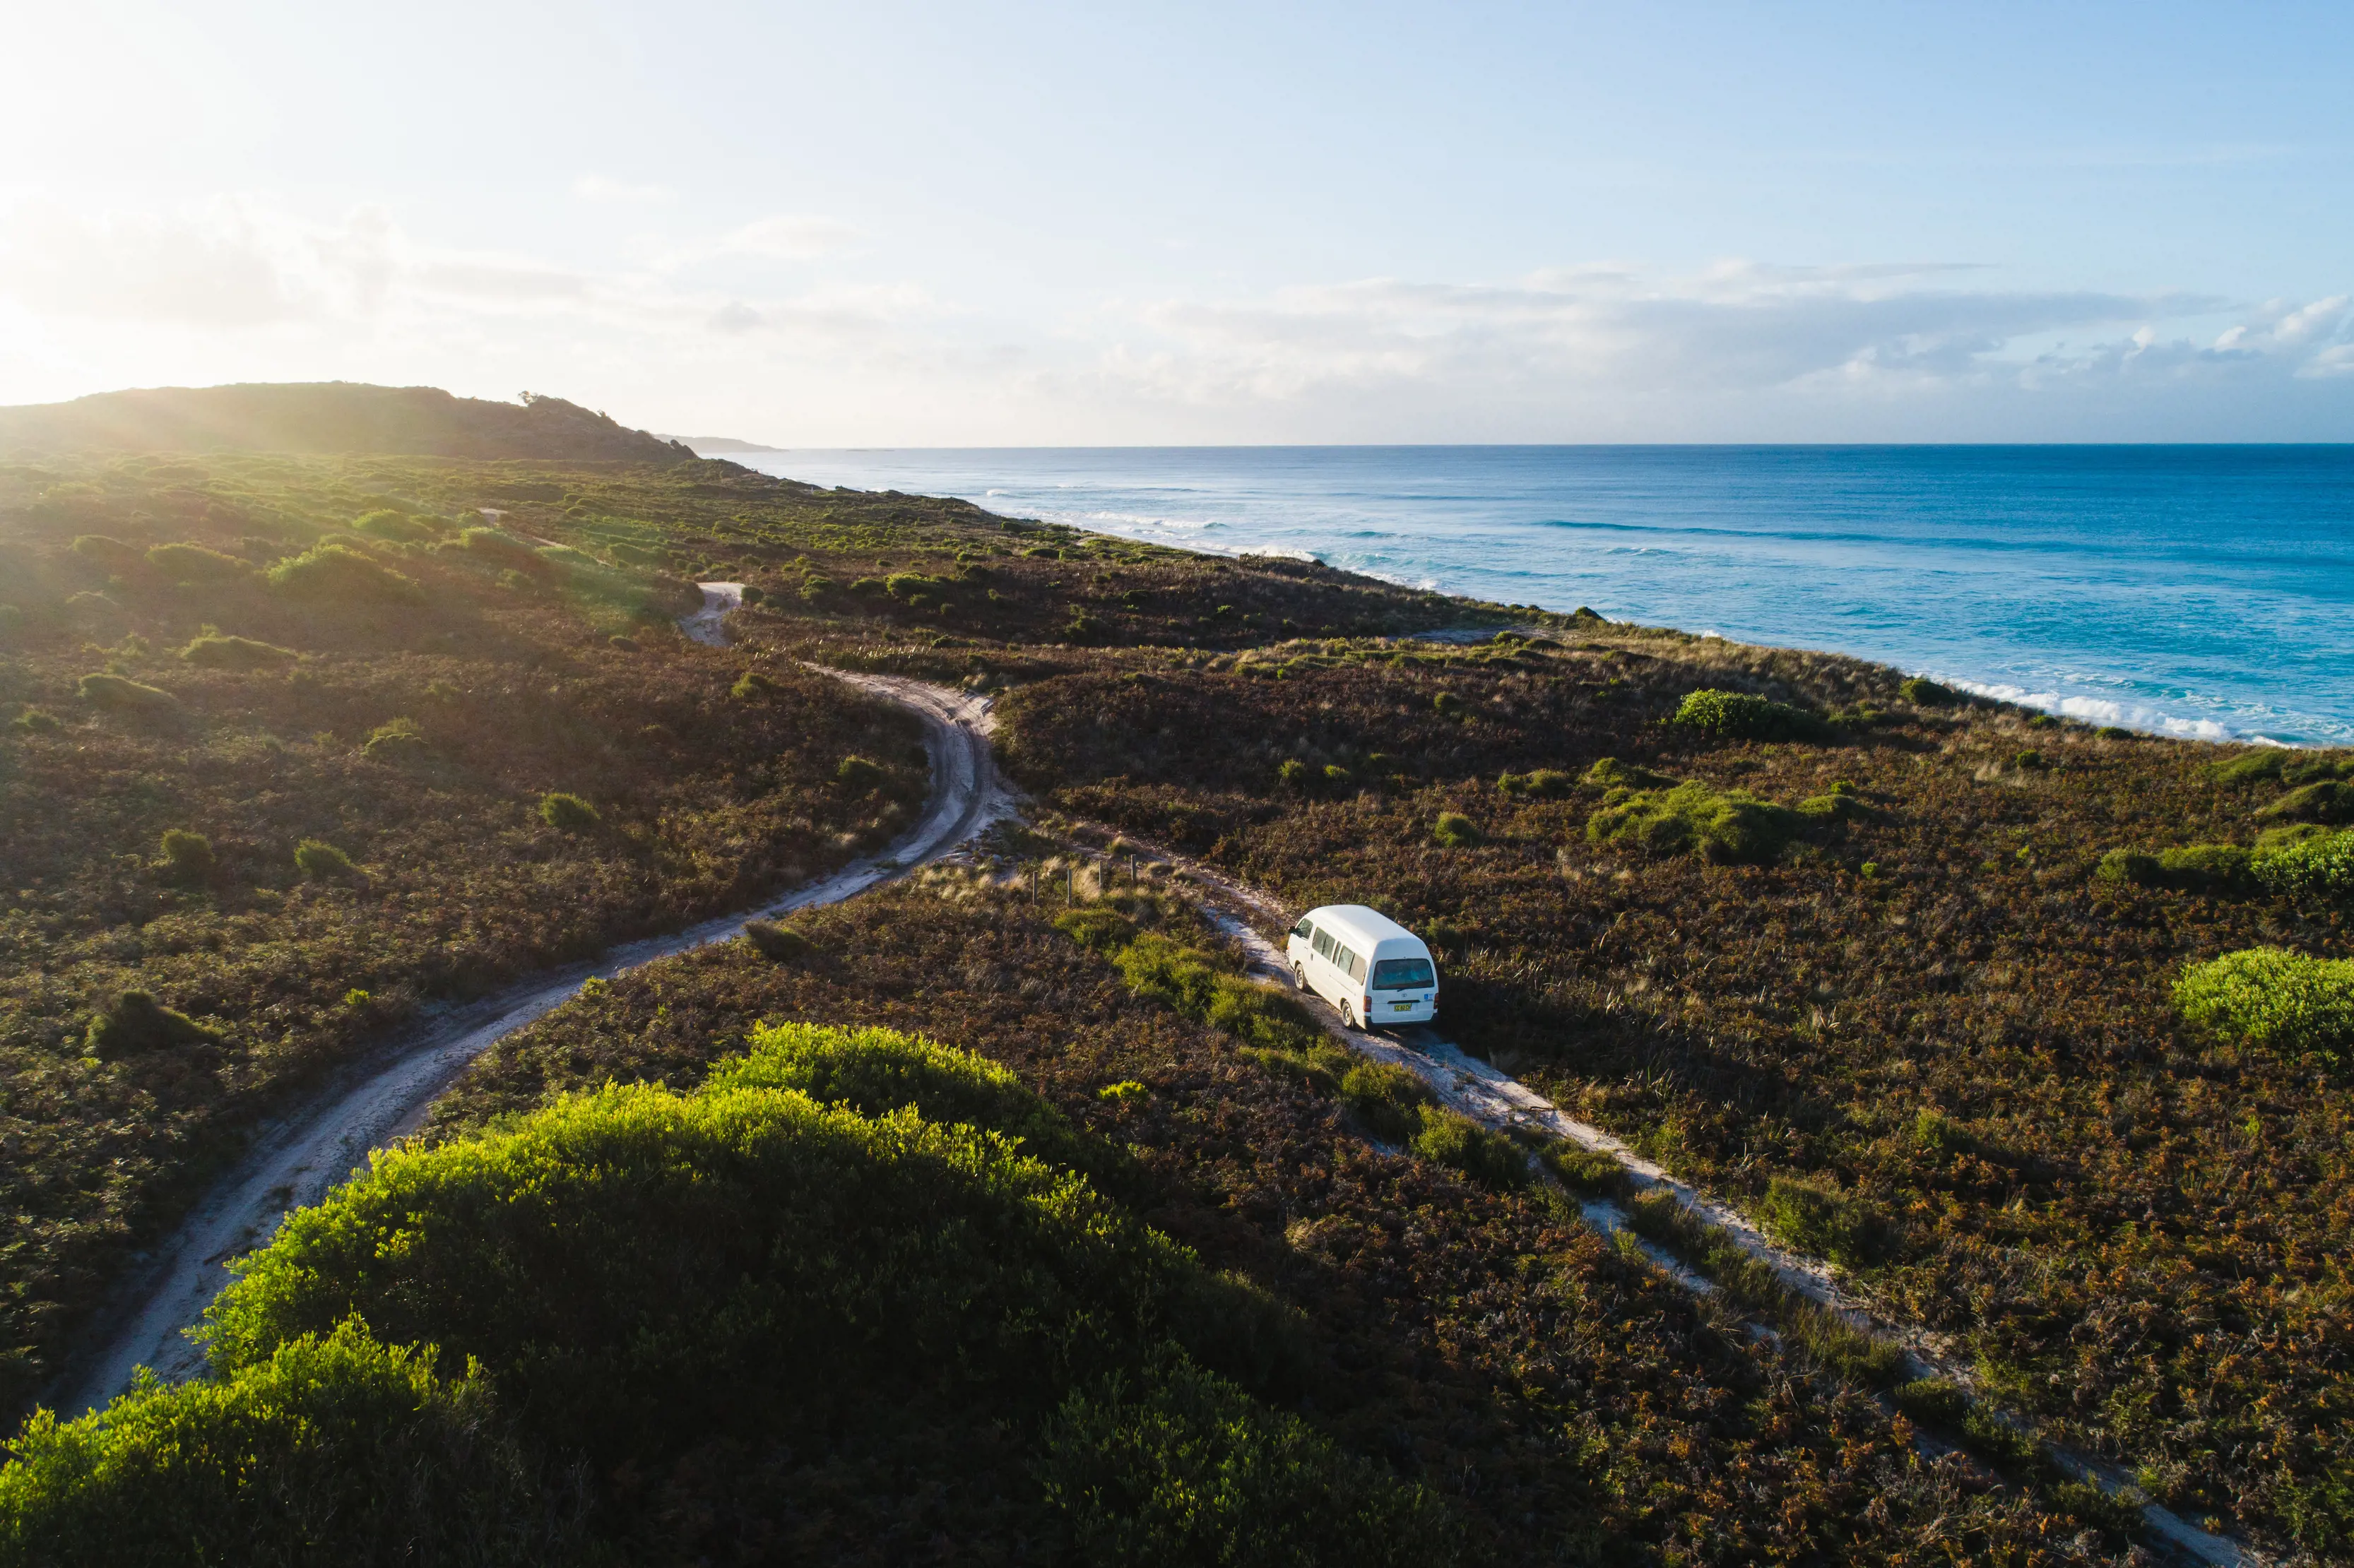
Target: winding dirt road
(297, 1159)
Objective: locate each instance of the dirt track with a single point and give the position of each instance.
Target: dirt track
(296, 1161)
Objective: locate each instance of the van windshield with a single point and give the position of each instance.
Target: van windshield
(1401, 974)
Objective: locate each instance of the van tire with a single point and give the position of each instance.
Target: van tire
(1349, 1016)
(1299, 977)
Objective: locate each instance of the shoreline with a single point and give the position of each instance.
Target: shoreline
(2228, 648)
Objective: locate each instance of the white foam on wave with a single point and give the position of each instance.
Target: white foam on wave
(1282, 551)
(2097, 710)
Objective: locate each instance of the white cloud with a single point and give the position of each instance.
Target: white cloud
(782, 237)
(212, 265)
(597, 187)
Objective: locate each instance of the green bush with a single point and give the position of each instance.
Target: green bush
(907, 585)
(38, 721)
(771, 941)
(1737, 715)
(2320, 867)
(215, 652)
(1612, 774)
(336, 574)
(1821, 1223)
(332, 1448)
(189, 856)
(1098, 929)
(567, 813)
(1185, 1470)
(1294, 775)
(1489, 1159)
(321, 861)
(2269, 997)
(195, 564)
(2281, 763)
(1388, 1098)
(859, 774)
(2197, 868)
(1927, 693)
(1453, 830)
(1542, 781)
(400, 527)
(1726, 826)
(1337, 778)
(137, 1022)
(815, 588)
(1583, 1169)
(396, 740)
(114, 555)
(877, 1071)
(501, 550)
(1934, 1402)
(1451, 706)
(753, 684)
(651, 1250)
(2324, 801)
(1840, 803)
(119, 694)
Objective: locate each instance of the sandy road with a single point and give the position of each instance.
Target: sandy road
(298, 1159)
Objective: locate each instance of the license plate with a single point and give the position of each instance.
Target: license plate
(1402, 1007)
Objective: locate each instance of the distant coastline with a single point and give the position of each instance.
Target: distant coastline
(2192, 591)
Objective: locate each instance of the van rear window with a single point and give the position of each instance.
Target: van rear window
(1402, 974)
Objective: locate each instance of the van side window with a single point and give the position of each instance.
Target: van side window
(1323, 944)
(1351, 964)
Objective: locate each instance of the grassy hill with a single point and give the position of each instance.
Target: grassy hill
(326, 417)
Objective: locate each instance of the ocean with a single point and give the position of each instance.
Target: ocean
(2197, 591)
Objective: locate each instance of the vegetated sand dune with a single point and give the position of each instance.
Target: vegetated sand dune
(1890, 975)
(295, 1162)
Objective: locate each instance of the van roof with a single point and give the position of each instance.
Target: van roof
(1359, 921)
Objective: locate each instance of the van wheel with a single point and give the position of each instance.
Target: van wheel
(1349, 1016)
(1299, 977)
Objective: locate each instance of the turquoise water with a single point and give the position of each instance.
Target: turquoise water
(2204, 590)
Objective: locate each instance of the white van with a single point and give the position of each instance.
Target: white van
(1364, 963)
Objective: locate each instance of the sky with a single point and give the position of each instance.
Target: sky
(887, 224)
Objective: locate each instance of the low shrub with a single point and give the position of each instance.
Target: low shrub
(321, 861)
(1612, 774)
(400, 527)
(195, 564)
(1451, 706)
(38, 721)
(213, 650)
(1542, 781)
(1934, 1402)
(755, 593)
(1924, 693)
(771, 941)
(187, 856)
(1487, 1158)
(1822, 1223)
(1453, 830)
(1388, 1098)
(753, 684)
(2027, 761)
(336, 574)
(877, 1071)
(2281, 763)
(1337, 779)
(1583, 1169)
(1840, 803)
(859, 774)
(2319, 867)
(815, 588)
(567, 813)
(334, 1449)
(1294, 775)
(396, 740)
(1098, 929)
(2270, 996)
(1728, 826)
(120, 693)
(136, 1024)
(111, 554)
(2326, 801)
(499, 549)
(2196, 868)
(1183, 1468)
(1737, 715)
